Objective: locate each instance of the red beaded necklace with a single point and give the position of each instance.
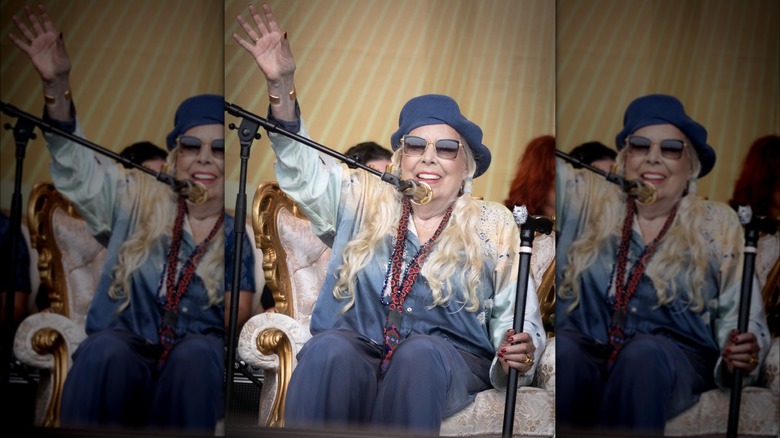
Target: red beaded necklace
(175, 290)
(400, 289)
(624, 290)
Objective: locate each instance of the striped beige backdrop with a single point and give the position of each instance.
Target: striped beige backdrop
(720, 57)
(133, 62)
(359, 61)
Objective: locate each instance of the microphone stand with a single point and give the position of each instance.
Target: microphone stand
(247, 132)
(753, 226)
(46, 127)
(23, 132)
(528, 226)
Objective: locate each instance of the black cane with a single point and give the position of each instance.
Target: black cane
(752, 225)
(528, 227)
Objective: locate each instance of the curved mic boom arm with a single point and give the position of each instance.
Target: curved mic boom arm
(644, 193)
(419, 192)
(193, 191)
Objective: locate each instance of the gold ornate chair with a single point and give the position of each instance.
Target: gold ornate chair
(69, 262)
(295, 262)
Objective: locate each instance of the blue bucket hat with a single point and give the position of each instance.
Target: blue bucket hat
(661, 109)
(204, 109)
(436, 109)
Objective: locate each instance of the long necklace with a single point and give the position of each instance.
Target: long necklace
(399, 289)
(624, 290)
(174, 290)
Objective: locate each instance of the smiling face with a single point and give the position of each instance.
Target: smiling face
(669, 176)
(444, 176)
(203, 165)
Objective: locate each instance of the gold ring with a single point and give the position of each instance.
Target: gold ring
(752, 360)
(528, 361)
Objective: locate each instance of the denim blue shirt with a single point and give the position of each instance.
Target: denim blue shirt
(109, 197)
(334, 198)
(703, 332)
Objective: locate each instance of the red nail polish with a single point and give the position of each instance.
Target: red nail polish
(512, 339)
(727, 352)
(501, 355)
(503, 350)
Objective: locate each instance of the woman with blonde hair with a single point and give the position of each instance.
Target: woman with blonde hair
(648, 293)
(415, 315)
(154, 354)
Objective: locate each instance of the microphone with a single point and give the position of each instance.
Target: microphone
(643, 192)
(420, 192)
(195, 192)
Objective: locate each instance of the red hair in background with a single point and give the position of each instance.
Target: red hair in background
(759, 183)
(535, 177)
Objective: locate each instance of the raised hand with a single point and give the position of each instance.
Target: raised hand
(268, 46)
(43, 44)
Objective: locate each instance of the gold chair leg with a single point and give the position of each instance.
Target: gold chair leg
(274, 341)
(49, 341)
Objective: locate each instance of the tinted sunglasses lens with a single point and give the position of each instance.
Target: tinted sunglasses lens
(218, 148)
(639, 145)
(447, 149)
(414, 146)
(672, 148)
(190, 143)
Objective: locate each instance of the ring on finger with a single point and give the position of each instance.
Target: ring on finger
(752, 360)
(528, 361)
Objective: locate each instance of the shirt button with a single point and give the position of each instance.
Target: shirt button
(409, 309)
(183, 310)
(633, 310)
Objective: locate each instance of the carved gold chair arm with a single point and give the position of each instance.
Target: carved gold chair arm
(275, 341)
(46, 341)
(50, 341)
(269, 342)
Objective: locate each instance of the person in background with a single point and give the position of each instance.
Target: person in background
(154, 355)
(371, 154)
(758, 187)
(648, 293)
(596, 154)
(415, 316)
(146, 154)
(534, 182)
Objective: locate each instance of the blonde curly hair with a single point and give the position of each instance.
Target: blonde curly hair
(682, 251)
(158, 209)
(457, 253)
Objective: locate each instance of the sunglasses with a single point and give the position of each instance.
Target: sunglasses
(191, 145)
(671, 148)
(446, 149)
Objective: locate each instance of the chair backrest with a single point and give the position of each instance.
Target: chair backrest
(70, 260)
(295, 261)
